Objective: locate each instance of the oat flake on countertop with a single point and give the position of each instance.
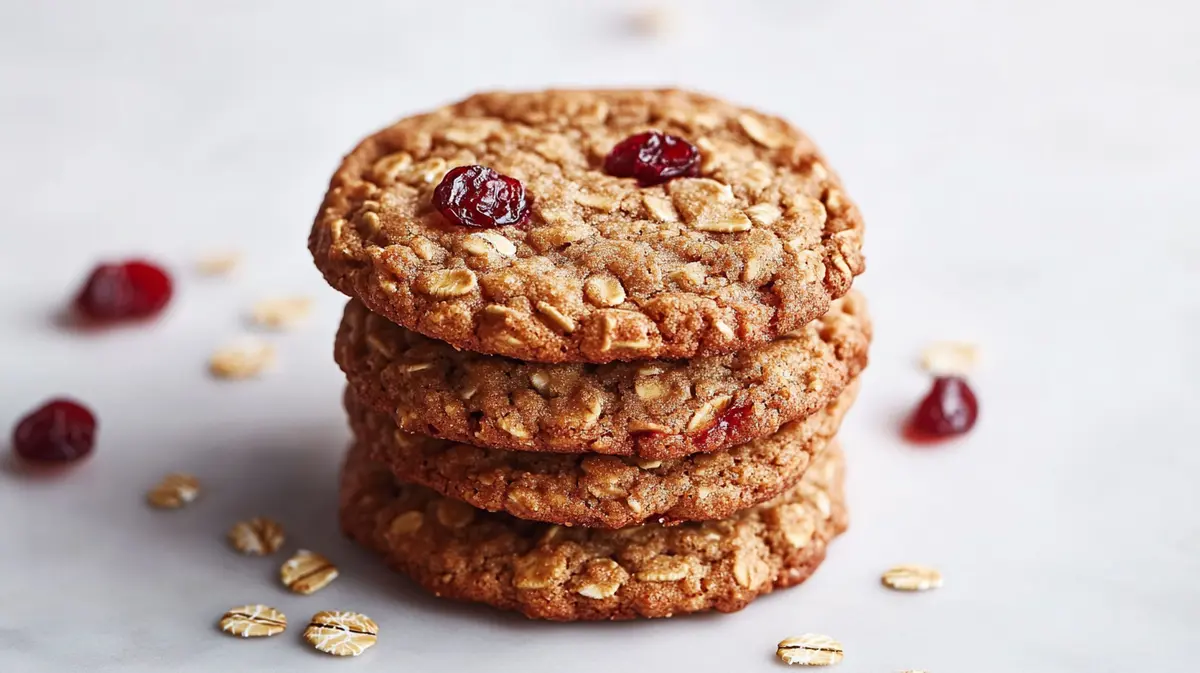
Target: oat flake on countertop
(174, 491)
(342, 634)
(810, 649)
(253, 621)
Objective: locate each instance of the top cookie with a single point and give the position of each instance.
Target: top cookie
(600, 268)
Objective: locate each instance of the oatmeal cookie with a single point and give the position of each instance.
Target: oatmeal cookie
(566, 574)
(653, 409)
(751, 242)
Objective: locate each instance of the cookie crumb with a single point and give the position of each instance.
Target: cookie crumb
(912, 577)
(220, 263)
(281, 312)
(253, 621)
(950, 358)
(810, 649)
(242, 360)
(342, 634)
(307, 572)
(174, 491)
(259, 536)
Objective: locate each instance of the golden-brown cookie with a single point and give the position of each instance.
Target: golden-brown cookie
(654, 409)
(553, 572)
(601, 491)
(595, 267)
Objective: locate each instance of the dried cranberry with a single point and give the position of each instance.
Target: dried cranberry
(61, 431)
(653, 158)
(124, 291)
(477, 196)
(725, 429)
(949, 409)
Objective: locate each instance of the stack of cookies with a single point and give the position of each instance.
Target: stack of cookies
(598, 349)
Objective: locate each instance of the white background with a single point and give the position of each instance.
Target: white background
(1028, 171)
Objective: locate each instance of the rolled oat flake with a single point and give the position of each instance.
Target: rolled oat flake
(342, 634)
(259, 536)
(810, 649)
(912, 577)
(174, 491)
(253, 621)
(307, 572)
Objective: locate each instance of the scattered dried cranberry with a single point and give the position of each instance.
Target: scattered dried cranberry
(124, 291)
(61, 431)
(653, 158)
(477, 196)
(949, 409)
(725, 430)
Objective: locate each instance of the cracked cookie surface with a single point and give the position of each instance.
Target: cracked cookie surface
(756, 246)
(567, 574)
(652, 409)
(601, 491)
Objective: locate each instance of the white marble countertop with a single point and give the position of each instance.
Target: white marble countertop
(1028, 172)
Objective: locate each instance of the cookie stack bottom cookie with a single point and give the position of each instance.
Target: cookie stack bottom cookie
(554, 572)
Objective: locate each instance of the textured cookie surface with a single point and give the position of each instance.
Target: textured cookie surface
(603, 269)
(652, 409)
(553, 572)
(601, 491)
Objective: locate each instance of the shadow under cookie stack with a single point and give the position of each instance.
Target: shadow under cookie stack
(598, 350)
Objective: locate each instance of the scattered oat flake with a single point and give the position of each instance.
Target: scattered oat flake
(242, 360)
(912, 577)
(218, 263)
(342, 634)
(307, 572)
(650, 21)
(253, 621)
(259, 536)
(282, 312)
(955, 358)
(810, 649)
(174, 491)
